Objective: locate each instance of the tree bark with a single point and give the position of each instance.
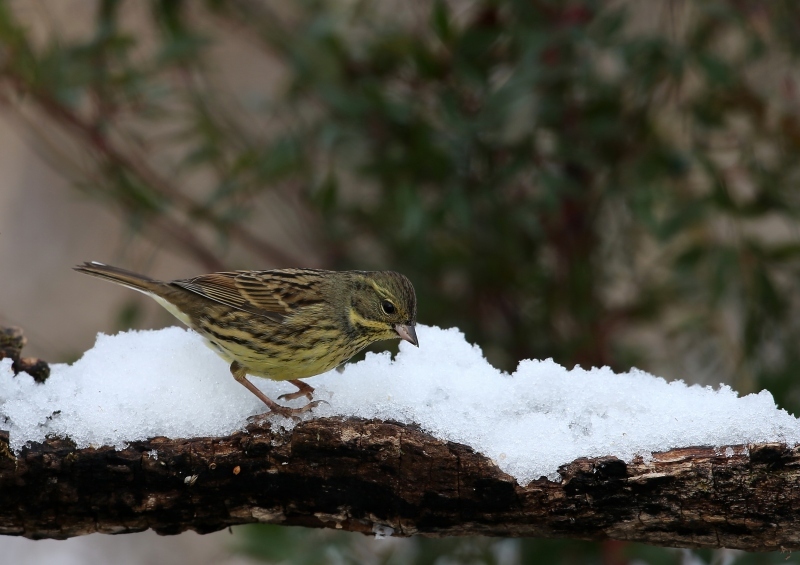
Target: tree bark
(367, 476)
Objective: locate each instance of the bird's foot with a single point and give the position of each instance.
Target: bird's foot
(285, 411)
(298, 394)
(302, 390)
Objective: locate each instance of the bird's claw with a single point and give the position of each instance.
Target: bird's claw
(297, 394)
(286, 412)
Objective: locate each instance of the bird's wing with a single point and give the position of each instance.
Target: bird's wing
(272, 294)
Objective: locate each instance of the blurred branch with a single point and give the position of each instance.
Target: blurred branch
(93, 137)
(367, 476)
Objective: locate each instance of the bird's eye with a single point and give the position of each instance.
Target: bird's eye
(388, 307)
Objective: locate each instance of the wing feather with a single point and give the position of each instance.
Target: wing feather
(272, 294)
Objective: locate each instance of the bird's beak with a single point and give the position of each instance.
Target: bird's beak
(407, 332)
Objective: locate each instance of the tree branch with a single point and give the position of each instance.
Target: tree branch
(95, 139)
(364, 475)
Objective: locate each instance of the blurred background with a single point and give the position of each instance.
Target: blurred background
(601, 182)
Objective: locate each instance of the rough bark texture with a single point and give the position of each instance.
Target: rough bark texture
(363, 475)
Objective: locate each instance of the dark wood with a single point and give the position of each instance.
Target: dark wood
(12, 341)
(361, 475)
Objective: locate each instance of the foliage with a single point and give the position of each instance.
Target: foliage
(298, 546)
(559, 179)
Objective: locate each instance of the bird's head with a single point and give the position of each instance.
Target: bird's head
(384, 306)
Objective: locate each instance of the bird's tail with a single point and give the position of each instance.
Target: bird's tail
(121, 276)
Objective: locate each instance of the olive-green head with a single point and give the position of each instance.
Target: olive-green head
(384, 306)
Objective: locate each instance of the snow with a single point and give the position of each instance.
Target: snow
(140, 384)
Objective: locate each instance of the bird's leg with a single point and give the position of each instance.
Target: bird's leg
(240, 374)
(305, 390)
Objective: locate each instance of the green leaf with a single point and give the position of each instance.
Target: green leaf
(326, 194)
(440, 21)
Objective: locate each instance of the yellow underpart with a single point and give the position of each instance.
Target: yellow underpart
(271, 361)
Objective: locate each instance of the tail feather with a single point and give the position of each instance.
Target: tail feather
(120, 276)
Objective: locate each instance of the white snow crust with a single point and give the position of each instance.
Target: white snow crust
(140, 384)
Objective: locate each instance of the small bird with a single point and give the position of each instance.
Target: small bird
(284, 324)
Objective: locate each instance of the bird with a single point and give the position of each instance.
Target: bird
(283, 324)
